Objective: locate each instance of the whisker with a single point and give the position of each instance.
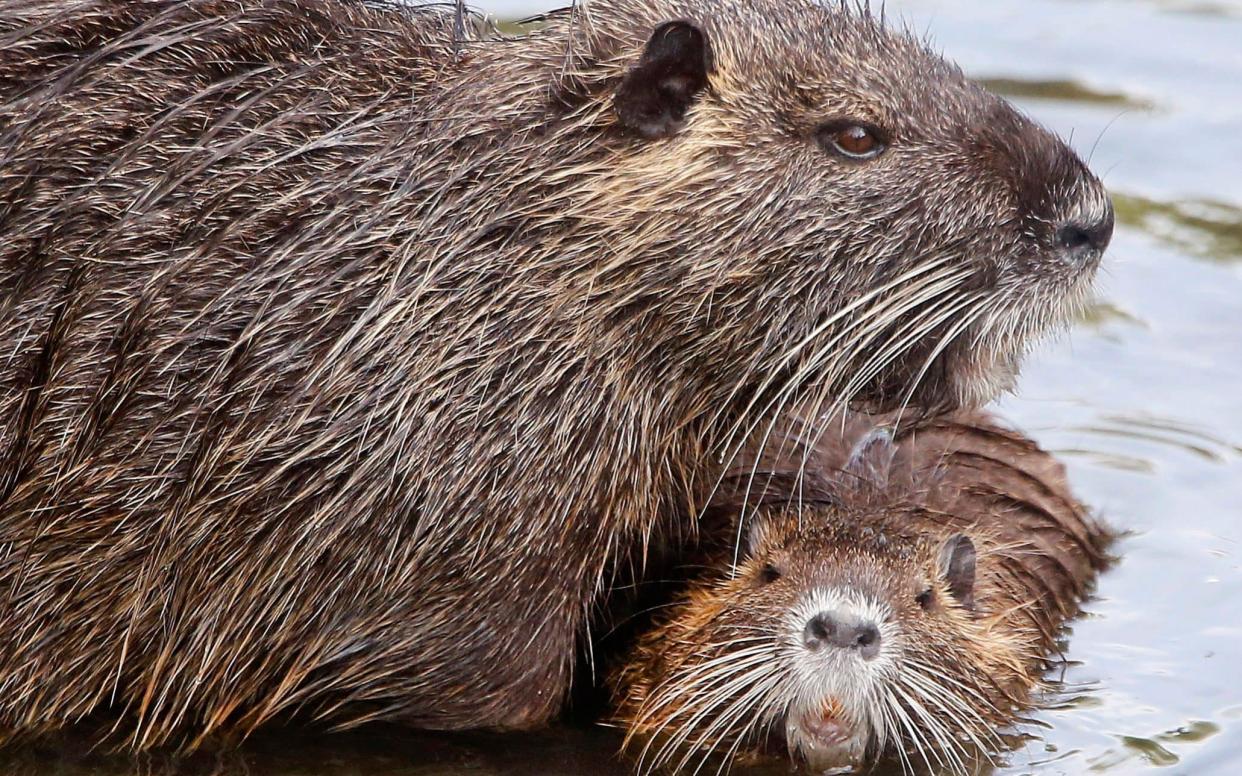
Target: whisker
(947, 748)
(721, 696)
(939, 285)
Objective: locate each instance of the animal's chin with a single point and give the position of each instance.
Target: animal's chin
(975, 369)
(986, 362)
(981, 361)
(825, 740)
(984, 378)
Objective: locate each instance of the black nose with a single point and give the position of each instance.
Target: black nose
(1082, 240)
(843, 631)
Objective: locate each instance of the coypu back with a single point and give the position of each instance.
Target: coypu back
(975, 466)
(892, 596)
(324, 335)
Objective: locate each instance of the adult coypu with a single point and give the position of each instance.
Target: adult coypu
(324, 335)
(900, 599)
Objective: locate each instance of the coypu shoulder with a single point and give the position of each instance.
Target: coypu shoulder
(891, 597)
(324, 335)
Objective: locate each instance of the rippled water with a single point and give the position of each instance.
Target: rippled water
(1142, 401)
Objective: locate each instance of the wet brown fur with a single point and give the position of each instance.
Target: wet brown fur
(1038, 555)
(340, 366)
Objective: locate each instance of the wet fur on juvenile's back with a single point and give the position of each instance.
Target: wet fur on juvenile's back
(339, 370)
(852, 517)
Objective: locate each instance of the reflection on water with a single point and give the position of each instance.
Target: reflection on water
(1203, 228)
(1133, 750)
(1165, 432)
(1141, 401)
(1062, 89)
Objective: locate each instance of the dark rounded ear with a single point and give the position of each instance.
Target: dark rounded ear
(656, 93)
(957, 568)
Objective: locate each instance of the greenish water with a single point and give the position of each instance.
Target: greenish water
(1142, 401)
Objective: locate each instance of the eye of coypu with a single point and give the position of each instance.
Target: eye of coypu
(851, 140)
(926, 599)
(769, 574)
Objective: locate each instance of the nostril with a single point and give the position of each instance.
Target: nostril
(867, 640)
(1082, 238)
(818, 632)
(1072, 237)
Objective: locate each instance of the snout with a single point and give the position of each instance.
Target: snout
(841, 630)
(842, 638)
(1072, 221)
(1063, 210)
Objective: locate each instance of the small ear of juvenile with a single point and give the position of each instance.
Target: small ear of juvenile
(656, 93)
(957, 568)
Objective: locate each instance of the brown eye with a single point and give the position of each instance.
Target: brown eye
(769, 574)
(852, 141)
(925, 599)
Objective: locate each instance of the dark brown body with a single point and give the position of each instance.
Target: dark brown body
(339, 370)
(966, 646)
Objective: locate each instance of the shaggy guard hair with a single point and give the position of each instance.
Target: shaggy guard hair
(342, 362)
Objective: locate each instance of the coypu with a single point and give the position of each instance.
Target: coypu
(902, 598)
(323, 334)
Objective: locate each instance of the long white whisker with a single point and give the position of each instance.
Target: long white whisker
(946, 747)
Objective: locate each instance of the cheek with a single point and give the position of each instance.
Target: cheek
(740, 629)
(766, 607)
(926, 643)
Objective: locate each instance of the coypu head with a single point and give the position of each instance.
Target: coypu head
(906, 232)
(837, 641)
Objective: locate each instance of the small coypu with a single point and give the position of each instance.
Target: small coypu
(344, 362)
(906, 604)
